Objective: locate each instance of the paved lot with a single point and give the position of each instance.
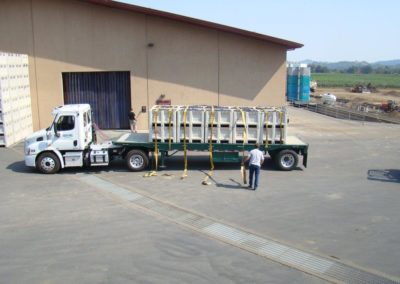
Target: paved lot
(343, 206)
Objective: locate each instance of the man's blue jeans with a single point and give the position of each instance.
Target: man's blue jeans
(254, 170)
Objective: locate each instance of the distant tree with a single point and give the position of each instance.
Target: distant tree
(321, 69)
(352, 70)
(367, 69)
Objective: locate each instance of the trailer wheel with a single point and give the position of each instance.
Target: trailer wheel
(137, 160)
(286, 160)
(48, 163)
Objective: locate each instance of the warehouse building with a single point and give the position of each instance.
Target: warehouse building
(117, 56)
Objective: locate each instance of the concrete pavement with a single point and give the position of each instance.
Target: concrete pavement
(343, 206)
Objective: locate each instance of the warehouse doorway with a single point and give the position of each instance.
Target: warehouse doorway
(108, 93)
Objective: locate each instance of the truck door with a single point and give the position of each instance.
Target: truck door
(65, 132)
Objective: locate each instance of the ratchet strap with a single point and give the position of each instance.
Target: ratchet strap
(242, 167)
(266, 128)
(154, 172)
(170, 112)
(184, 144)
(281, 125)
(210, 149)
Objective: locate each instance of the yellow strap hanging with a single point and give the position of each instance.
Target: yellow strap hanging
(210, 149)
(243, 172)
(245, 127)
(154, 172)
(169, 128)
(184, 144)
(156, 142)
(281, 125)
(266, 128)
(242, 167)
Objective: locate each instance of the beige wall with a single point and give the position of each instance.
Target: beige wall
(189, 64)
(251, 72)
(183, 64)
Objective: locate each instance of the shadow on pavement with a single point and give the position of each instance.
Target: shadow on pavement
(236, 185)
(389, 175)
(19, 167)
(176, 163)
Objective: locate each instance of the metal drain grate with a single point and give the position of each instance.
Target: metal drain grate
(321, 267)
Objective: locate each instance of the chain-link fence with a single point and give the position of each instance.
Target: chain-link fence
(343, 113)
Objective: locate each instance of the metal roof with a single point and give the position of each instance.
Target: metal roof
(151, 12)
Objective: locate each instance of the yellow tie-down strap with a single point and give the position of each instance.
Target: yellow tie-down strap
(210, 149)
(154, 172)
(170, 112)
(266, 129)
(281, 125)
(242, 167)
(184, 144)
(243, 172)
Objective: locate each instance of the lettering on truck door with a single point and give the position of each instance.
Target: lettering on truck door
(66, 138)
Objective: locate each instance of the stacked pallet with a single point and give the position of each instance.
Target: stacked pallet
(15, 99)
(234, 125)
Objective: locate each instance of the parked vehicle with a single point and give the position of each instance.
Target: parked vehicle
(70, 142)
(328, 99)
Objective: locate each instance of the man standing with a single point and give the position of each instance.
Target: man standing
(256, 159)
(132, 121)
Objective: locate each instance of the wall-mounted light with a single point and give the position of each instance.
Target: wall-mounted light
(150, 44)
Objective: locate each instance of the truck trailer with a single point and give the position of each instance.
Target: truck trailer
(70, 141)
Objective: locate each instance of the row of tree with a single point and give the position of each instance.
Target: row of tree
(363, 69)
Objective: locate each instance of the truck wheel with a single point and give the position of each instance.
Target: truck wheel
(286, 160)
(137, 160)
(48, 163)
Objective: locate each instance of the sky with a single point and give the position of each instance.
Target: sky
(331, 30)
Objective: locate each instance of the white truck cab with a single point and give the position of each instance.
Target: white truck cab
(66, 143)
(72, 127)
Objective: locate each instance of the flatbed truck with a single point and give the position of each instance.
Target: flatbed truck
(70, 142)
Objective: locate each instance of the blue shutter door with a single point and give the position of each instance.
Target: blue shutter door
(108, 93)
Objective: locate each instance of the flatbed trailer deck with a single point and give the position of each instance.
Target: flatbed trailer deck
(137, 146)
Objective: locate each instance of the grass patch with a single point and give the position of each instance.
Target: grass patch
(350, 80)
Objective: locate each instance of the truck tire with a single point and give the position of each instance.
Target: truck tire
(48, 163)
(286, 160)
(137, 160)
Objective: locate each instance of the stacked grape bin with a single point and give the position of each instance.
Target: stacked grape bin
(233, 125)
(219, 121)
(15, 99)
(162, 124)
(274, 126)
(190, 124)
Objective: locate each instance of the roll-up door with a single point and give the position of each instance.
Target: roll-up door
(108, 93)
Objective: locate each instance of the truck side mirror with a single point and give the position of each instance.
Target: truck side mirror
(56, 132)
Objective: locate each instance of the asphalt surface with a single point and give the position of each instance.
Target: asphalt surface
(344, 206)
